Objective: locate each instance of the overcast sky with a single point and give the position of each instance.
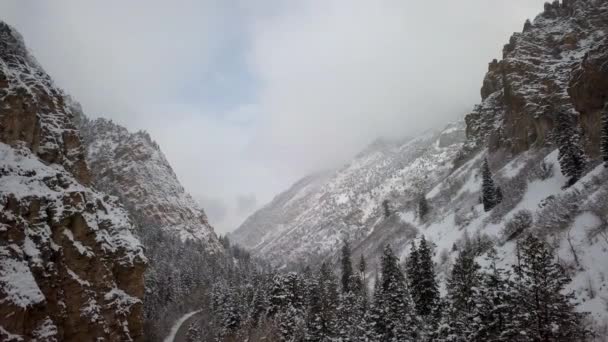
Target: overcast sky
(245, 97)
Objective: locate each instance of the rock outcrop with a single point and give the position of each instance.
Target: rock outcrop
(70, 267)
(132, 167)
(546, 69)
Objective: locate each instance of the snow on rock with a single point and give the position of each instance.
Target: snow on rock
(132, 167)
(63, 244)
(20, 287)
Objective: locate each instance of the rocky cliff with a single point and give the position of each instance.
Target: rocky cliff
(70, 268)
(557, 64)
(132, 167)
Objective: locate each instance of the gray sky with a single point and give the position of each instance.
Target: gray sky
(245, 97)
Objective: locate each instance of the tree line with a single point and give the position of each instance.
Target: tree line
(526, 302)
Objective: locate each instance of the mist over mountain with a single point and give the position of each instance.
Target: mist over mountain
(440, 226)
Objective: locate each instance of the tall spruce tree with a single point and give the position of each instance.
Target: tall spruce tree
(571, 157)
(347, 267)
(423, 207)
(494, 304)
(458, 323)
(490, 193)
(604, 136)
(395, 321)
(426, 292)
(544, 312)
(322, 317)
(412, 269)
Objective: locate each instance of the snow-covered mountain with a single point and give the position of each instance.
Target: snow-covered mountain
(558, 65)
(70, 267)
(132, 167)
(311, 219)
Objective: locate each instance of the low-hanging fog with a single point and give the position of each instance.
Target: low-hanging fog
(245, 97)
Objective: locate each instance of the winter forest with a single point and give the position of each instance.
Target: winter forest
(323, 171)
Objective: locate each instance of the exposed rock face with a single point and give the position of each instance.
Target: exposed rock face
(70, 268)
(589, 93)
(132, 167)
(523, 92)
(33, 109)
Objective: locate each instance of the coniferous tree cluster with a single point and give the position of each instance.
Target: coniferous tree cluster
(528, 302)
(491, 194)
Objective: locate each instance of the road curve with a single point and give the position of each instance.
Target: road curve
(179, 324)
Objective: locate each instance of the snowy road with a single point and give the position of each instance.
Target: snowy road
(175, 330)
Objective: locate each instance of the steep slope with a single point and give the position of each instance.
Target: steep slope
(557, 65)
(70, 268)
(132, 167)
(312, 218)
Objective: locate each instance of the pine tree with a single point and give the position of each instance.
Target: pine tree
(322, 318)
(490, 193)
(386, 206)
(423, 207)
(458, 323)
(544, 312)
(571, 157)
(347, 267)
(604, 136)
(395, 322)
(494, 304)
(362, 266)
(412, 270)
(352, 310)
(426, 293)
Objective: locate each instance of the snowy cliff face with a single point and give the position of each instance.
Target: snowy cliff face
(132, 167)
(70, 268)
(558, 64)
(549, 68)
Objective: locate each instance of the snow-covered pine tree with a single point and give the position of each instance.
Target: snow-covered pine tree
(351, 322)
(604, 136)
(426, 291)
(458, 323)
(395, 321)
(571, 157)
(412, 269)
(494, 303)
(489, 193)
(347, 267)
(544, 312)
(321, 323)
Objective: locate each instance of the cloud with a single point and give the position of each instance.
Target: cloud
(337, 74)
(246, 97)
(246, 203)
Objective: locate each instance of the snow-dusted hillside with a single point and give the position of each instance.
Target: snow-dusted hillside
(312, 218)
(132, 167)
(556, 65)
